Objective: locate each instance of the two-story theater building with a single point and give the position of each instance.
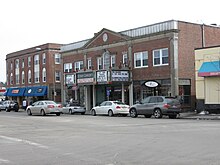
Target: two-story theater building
(130, 65)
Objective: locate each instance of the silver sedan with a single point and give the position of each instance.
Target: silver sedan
(44, 107)
(72, 108)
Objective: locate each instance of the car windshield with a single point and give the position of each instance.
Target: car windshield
(118, 103)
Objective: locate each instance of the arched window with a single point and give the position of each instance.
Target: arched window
(29, 76)
(44, 75)
(22, 77)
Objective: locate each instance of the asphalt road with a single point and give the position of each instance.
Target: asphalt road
(103, 140)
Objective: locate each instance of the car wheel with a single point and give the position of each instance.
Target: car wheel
(172, 116)
(133, 113)
(110, 113)
(157, 113)
(7, 109)
(83, 113)
(147, 116)
(93, 113)
(42, 112)
(29, 112)
(70, 112)
(58, 114)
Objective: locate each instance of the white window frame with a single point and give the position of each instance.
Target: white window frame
(161, 56)
(11, 66)
(57, 57)
(22, 64)
(67, 67)
(78, 65)
(125, 59)
(44, 58)
(57, 76)
(29, 76)
(141, 56)
(36, 69)
(113, 60)
(22, 77)
(100, 64)
(44, 75)
(29, 61)
(11, 79)
(89, 63)
(17, 71)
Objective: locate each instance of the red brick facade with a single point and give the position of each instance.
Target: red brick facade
(49, 50)
(181, 41)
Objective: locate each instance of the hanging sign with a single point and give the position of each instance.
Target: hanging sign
(151, 84)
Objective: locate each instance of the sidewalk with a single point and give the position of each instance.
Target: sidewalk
(199, 116)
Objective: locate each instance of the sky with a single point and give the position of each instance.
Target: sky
(28, 23)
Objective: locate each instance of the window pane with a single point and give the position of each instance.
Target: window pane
(145, 59)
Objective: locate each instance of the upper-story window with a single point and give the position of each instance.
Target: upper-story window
(57, 76)
(160, 57)
(16, 63)
(89, 63)
(113, 60)
(141, 59)
(78, 65)
(36, 69)
(43, 58)
(100, 63)
(17, 71)
(36, 60)
(68, 67)
(11, 66)
(22, 64)
(29, 61)
(29, 76)
(125, 59)
(44, 75)
(22, 77)
(57, 58)
(11, 79)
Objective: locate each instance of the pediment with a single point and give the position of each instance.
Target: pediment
(105, 37)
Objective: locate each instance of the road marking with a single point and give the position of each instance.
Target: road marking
(24, 141)
(4, 161)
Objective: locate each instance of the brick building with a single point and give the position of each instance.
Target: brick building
(156, 59)
(34, 73)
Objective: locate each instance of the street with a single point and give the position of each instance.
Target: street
(103, 140)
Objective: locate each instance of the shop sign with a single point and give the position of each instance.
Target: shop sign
(120, 75)
(102, 76)
(87, 77)
(151, 84)
(15, 91)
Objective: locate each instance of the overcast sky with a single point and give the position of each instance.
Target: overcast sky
(28, 23)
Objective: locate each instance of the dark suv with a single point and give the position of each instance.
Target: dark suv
(157, 106)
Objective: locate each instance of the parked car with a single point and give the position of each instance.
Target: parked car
(44, 107)
(111, 108)
(72, 108)
(9, 105)
(157, 106)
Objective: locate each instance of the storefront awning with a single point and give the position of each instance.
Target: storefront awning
(209, 69)
(40, 91)
(36, 91)
(15, 92)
